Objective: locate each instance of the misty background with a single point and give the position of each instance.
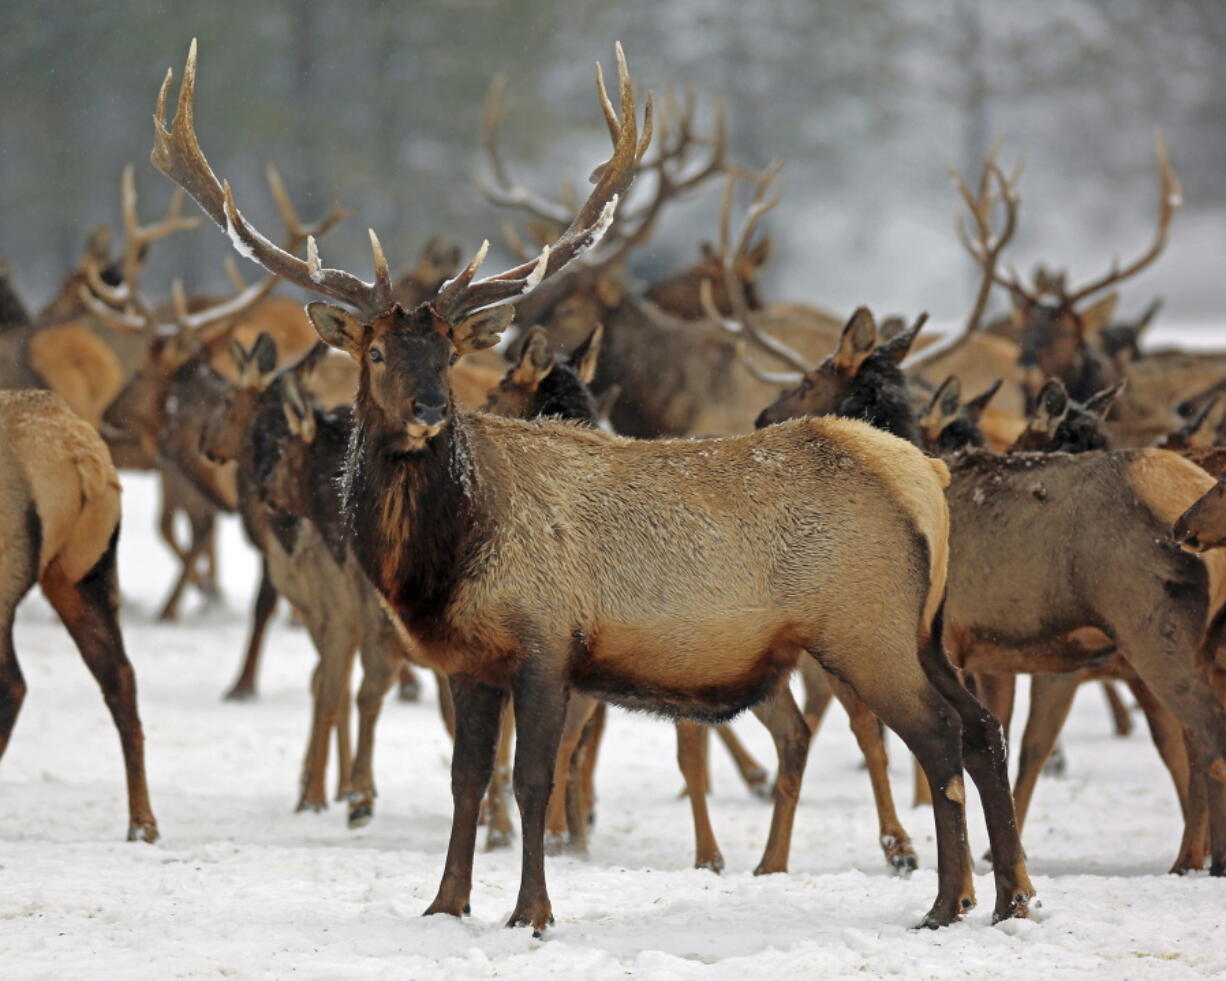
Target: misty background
(379, 103)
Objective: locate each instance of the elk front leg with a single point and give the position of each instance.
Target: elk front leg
(752, 772)
(478, 711)
(866, 727)
(12, 684)
(791, 734)
(1121, 718)
(581, 787)
(90, 611)
(336, 647)
(265, 602)
(378, 668)
(540, 696)
(1051, 699)
(691, 760)
(817, 692)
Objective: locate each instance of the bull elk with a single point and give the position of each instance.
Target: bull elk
(59, 522)
(530, 558)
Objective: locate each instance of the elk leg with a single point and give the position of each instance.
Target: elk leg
(12, 684)
(344, 748)
(986, 759)
(592, 738)
(1051, 699)
(497, 813)
(691, 760)
(540, 698)
(1167, 735)
(378, 664)
(817, 692)
(578, 710)
(895, 842)
(752, 772)
(90, 611)
(265, 602)
(335, 646)
(1121, 718)
(478, 711)
(446, 705)
(791, 733)
(409, 689)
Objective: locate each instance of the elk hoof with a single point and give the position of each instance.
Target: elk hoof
(943, 914)
(311, 806)
(769, 868)
(244, 693)
(538, 915)
(761, 785)
(360, 815)
(409, 691)
(715, 863)
(1015, 907)
(146, 831)
(1057, 764)
(903, 865)
(1186, 864)
(497, 838)
(448, 907)
(556, 842)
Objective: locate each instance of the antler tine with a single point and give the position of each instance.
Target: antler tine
(736, 329)
(121, 320)
(758, 208)
(177, 154)
(296, 231)
(1171, 198)
(504, 191)
(589, 225)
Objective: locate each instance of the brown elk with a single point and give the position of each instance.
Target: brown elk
(1030, 534)
(530, 558)
(59, 521)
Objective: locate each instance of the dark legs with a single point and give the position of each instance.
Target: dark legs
(12, 684)
(90, 610)
(540, 711)
(478, 711)
(791, 734)
(265, 603)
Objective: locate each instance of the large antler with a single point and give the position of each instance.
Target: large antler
(612, 179)
(985, 245)
(741, 323)
(177, 154)
(1171, 197)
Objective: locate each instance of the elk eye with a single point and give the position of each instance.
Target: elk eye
(455, 356)
(807, 385)
(376, 355)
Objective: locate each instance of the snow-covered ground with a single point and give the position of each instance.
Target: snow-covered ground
(241, 886)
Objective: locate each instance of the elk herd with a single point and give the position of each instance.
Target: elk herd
(668, 496)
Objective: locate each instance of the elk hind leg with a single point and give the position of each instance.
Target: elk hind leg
(579, 710)
(265, 602)
(496, 812)
(752, 772)
(90, 611)
(1051, 699)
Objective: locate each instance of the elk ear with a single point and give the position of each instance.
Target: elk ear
(299, 414)
(948, 398)
(264, 353)
(890, 328)
(1051, 406)
(585, 357)
(337, 328)
(482, 329)
(609, 291)
(1098, 314)
(305, 366)
(1100, 402)
(899, 346)
(980, 401)
(536, 360)
(1147, 317)
(857, 343)
(238, 354)
(604, 405)
(762, 251)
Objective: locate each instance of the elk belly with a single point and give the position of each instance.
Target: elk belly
(708, 670)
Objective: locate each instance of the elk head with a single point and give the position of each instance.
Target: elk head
(948, 424)
(1060, 334)
(1060, 424)
(541, 383)
(405, 355)
(1203, 525)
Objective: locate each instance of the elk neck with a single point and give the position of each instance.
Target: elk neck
(415, 518)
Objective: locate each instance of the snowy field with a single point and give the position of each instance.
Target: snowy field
(241, 886)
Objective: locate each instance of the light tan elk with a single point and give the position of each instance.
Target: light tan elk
(1030, 536)
(59, 524)
(529, 558)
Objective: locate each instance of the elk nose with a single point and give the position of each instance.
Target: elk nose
(430, 415)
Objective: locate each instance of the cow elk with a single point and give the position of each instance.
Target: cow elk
(59, 521)
(529, 558)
